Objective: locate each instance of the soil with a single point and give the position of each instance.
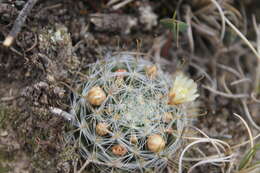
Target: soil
(60, 38)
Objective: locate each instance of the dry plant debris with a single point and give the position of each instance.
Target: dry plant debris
(56, 41)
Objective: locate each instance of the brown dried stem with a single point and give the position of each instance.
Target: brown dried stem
(19, 23)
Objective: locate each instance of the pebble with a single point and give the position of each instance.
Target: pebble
(3, 133)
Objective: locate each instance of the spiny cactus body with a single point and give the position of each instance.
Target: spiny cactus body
(126, 114)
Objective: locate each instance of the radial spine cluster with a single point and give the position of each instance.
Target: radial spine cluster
(128, 114)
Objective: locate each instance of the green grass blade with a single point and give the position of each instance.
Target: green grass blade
(250, 154)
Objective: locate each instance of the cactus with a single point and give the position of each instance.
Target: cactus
(130, 115)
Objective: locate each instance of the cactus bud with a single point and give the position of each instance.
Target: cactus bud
(167, 118)
(151, 71)
(155, 143)
(102, 129)
(119, 150)
(120, 71)
(96, 96)
(169, 131)
(134, 116)
(120, 77)
(133, 139)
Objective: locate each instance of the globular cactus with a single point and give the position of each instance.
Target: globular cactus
(129, 115)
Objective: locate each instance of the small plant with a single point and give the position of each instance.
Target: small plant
(129, 115)
(175, 26)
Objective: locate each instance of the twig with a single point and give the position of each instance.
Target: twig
(34, 44)
(16, 51)
(19, 23)
(111, 2)
(62, 113)
(121, 4)
(51, 7)
(5, 99)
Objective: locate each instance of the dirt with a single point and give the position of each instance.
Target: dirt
(60, 38)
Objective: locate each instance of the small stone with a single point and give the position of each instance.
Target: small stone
(3, 133)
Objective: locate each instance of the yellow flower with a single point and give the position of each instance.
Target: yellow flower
(183, 90)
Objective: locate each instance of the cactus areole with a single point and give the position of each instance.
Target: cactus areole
(120, 115)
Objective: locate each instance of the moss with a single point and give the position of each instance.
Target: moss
(69, 153)
(3, 116)
(29, 126)
(53, 38)
(9, 116)
(5, 157)
(4, 169)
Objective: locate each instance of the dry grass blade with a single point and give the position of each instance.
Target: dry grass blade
(248, 129)
(202, 140)
(248, 115)
(218, 145)
(245, 142)
(237, 31)
(243, 38)
(121, 4)
(257, 31)
(84, 166)
(222, 19)
(212, 160)
(233, 96)
(253, 96)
